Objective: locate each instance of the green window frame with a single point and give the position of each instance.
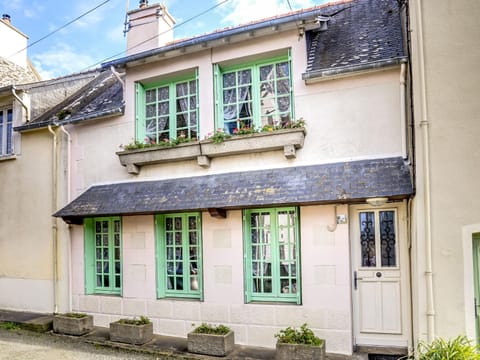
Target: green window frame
(103, 255)
(179, 247)
(272, 255)
(167, 110)
(254, 94)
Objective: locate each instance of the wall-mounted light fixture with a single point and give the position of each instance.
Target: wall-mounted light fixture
(378, 201)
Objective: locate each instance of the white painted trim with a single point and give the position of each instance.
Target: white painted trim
(469, 290)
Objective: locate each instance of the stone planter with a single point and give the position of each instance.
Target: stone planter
(299, 352)
(134, 159)
(131, 334)
(69, 325)
(210, 344)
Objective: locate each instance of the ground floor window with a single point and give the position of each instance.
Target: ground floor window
(179, 255)
(272, 255)
(103, 255)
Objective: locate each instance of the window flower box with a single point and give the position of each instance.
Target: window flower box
(76, 324)
(287, 139)
(134, 159)
(131, 331)
(209, 340)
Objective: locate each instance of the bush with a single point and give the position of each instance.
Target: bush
(460, 348)
(210, 329)
(75, 315)
(142, 321)
(302, 336)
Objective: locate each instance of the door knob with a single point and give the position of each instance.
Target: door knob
(378, 274)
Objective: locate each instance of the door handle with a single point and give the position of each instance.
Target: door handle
(355, 279)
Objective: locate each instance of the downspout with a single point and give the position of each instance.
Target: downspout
(27, 113)
(403, 110)
(69, 244)
(54, 219)
(424, 124)
(118, 75)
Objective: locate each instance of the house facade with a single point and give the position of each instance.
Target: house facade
(445, 217)
(257, 177)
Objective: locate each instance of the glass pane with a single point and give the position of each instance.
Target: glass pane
(178, 223)
(117, 239)
(192, 222)
(193, 102)
(229, 80)
(282, 69)
(151, 110)
(99, 280)
(283, 86)
(105, 226)
(388, 238)
(182, 105)
(182, 120)
(266, 72)
(169, 237)
(182, 89)
(367, 238)
(193, 123)
(98, 240)
(116, 226)
(163, 124)
(192, 238)
(229, 96)
(244, 93)
(169, 224)
(150, 95)
(178, 238)
(245, 77)
(193, 87)
(105, 240)
(163, 93)
(98, 226)
(117, 281)
(163, 108)
(284, 103)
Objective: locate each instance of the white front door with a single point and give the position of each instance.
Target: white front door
(380, 276)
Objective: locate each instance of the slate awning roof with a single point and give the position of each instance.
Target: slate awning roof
(360, 34)
(327, 183)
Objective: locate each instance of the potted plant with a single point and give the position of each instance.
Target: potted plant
(132, 331)
(211, 340)
(460, 348)
(73, 323)
(293, 344)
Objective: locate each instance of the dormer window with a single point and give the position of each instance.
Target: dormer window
(6, 122)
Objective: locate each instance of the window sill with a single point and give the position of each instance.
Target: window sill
(8, 157)
(287, 139)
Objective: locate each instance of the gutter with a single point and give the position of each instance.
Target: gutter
(220, 35)
(27, 112)
(104, 114)
(54, 220)
(349, 70)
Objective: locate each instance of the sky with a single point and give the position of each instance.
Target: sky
(98, 36)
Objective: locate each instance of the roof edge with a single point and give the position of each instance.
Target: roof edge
(351, 70)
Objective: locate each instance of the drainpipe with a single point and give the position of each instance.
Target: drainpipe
(27, 113)
(424, 124)
(403, 110)
(118, 75)
(54, 219)
(69, 244)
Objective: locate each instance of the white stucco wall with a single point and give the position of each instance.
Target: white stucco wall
(14, 45)
(445, 54)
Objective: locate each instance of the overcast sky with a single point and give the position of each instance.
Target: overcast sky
(99, 35)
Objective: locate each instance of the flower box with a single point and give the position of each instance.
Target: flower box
(299, 352)
(134, 159)
(287, 139)
(135, 334)
(206, 343)
(73, 324)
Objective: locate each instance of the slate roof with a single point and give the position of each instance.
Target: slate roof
(12, 74)
(339, 182)
(358, 33)
(101, 97)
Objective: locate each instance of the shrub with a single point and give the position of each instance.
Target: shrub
(210, 329)
(75, 315)
(142, 321)
(302, 336)
(460, 348)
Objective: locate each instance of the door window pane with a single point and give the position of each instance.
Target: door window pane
(388, 238)
(367, 239)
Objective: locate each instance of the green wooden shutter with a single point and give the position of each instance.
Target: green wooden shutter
(89, 256)
(139, 112)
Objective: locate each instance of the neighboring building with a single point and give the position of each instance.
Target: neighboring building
(263, 231)
(446, 217)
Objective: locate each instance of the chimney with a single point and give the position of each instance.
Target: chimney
(6, 18)
(149, 27)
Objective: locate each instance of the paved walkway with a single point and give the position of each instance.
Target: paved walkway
(160, 347)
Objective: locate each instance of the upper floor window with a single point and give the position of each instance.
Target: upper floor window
(103, 255)
(167, 110)
(179, 255)
(254, 95)
(272, 255)
(6, 122)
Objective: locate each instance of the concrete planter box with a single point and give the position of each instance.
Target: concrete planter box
(64, 324)
(299, 352)
(210, 344)
(131, 334)
(134, 159)
(287, 139)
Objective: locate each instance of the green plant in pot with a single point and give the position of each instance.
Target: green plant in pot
(460, 348)
(211, 340)
(299, 344)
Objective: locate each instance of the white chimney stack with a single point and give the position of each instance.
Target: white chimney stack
(149, 27)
